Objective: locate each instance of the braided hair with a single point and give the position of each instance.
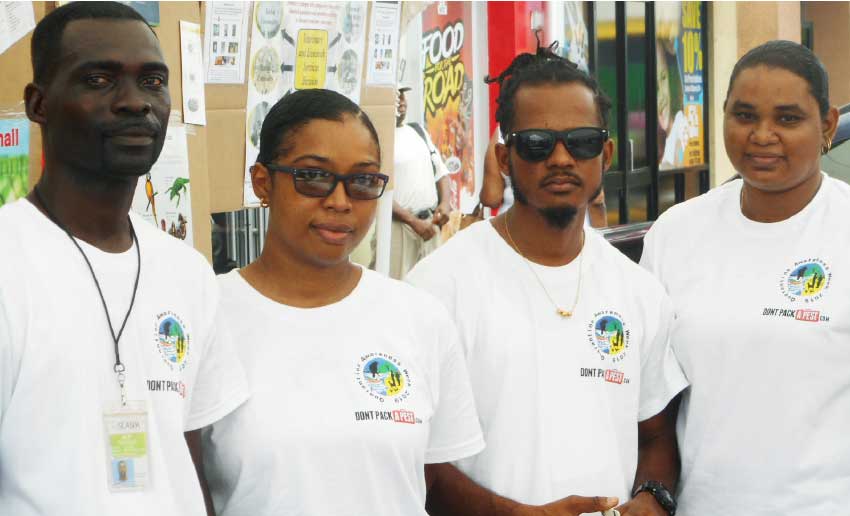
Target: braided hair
(542, 67)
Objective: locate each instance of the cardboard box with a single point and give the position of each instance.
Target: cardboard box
(226, 158)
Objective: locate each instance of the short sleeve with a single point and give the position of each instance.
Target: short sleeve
(661, 374)
(455, 431)
(649, 257)
(220, 385)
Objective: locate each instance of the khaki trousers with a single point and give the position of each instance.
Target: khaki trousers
(407, 248)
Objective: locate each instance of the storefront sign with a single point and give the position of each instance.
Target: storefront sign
(447, 91)
(681, 109)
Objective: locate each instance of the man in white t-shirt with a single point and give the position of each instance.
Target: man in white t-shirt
(566, 340)
(421, 196)
(110, 360)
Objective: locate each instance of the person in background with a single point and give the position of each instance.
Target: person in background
(359, 382)
(422, 194)
(111, 357)
(565, 338)
(758, 272)
(497, 194)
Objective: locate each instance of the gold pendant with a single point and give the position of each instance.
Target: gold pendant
(564, 313)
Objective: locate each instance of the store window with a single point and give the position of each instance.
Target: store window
(650, 60)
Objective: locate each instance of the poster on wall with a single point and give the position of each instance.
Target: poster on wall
(296, 46)
(575, 45)
(679, 75)
(162, 196)
(447, 92)
(226, 41)
(14, 159)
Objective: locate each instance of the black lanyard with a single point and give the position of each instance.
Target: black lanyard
(119, 367)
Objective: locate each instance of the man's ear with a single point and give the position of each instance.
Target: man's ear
(607, 154)
(34, 100)
(261, 180)
(503, 157)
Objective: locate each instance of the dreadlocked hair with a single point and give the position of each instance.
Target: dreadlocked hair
(542, 67)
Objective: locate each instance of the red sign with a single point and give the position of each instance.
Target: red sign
(403, 416)
(807, 315)
(614, 376)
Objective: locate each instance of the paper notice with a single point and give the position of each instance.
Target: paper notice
(383, 44)
(226, 41)
(191, 61)
(16, 20)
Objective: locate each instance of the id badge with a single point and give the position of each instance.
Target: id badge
(126, 446)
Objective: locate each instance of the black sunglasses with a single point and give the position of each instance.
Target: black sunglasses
(538, 144)
(314, 182)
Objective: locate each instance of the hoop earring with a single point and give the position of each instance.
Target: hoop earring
(826, 146)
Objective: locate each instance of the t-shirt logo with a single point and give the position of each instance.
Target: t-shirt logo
(609, 335)
(383, 377)
(172, 340)
(807, 280)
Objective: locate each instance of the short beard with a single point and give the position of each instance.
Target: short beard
(558, 218)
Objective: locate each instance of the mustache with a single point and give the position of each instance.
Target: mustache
(147, 125)
(562, 173)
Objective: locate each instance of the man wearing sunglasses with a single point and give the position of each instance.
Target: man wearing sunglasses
(421, 197)
(565, 338)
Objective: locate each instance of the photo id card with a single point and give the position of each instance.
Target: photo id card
(126, 446)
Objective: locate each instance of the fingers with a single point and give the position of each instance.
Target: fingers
(585, 504)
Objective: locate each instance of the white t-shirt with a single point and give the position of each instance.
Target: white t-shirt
(763, 333)
(559, 399)
(350, 401)
(56, 367)
(415, 187)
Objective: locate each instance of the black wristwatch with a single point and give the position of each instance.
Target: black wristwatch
(661, 494)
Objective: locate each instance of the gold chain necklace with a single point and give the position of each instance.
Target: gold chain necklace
(560, 311)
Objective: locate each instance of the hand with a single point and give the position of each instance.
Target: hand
(441, 214)
(424, 228)
(569, 506)
(644, 504)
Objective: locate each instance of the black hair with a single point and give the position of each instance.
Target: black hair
(794, 58)
(544, 66)
(47, 36)
(298, 108)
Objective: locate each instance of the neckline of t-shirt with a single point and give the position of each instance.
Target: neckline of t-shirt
(90, 250)
(782, 225)
(545, 269)
(357, 292)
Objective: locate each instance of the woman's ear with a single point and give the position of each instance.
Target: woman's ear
(261, 181)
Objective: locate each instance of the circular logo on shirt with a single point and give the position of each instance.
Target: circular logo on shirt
(383, 377)
(807, 280)
(172, 340)
(609, 335)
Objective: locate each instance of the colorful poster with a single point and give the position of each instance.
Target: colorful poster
(300, 45)
(14, 159)
(447, 90)
(163, 196)
(679, 75)
(226, 41)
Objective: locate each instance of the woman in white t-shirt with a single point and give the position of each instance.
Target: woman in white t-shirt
(759, 273)
(358, 380)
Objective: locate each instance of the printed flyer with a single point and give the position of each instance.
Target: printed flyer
(296, 46)
(14, 159)
(679, 75)
(447, 91)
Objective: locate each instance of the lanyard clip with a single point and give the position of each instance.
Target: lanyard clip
(119, 371)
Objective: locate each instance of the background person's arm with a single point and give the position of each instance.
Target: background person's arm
(423, 228)
(451, 493)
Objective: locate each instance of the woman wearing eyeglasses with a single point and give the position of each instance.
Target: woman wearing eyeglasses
(358, 381)
(759, 273)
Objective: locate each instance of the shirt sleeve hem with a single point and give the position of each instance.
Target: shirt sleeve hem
(654, 406)
(214, 414)
(453, 453)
